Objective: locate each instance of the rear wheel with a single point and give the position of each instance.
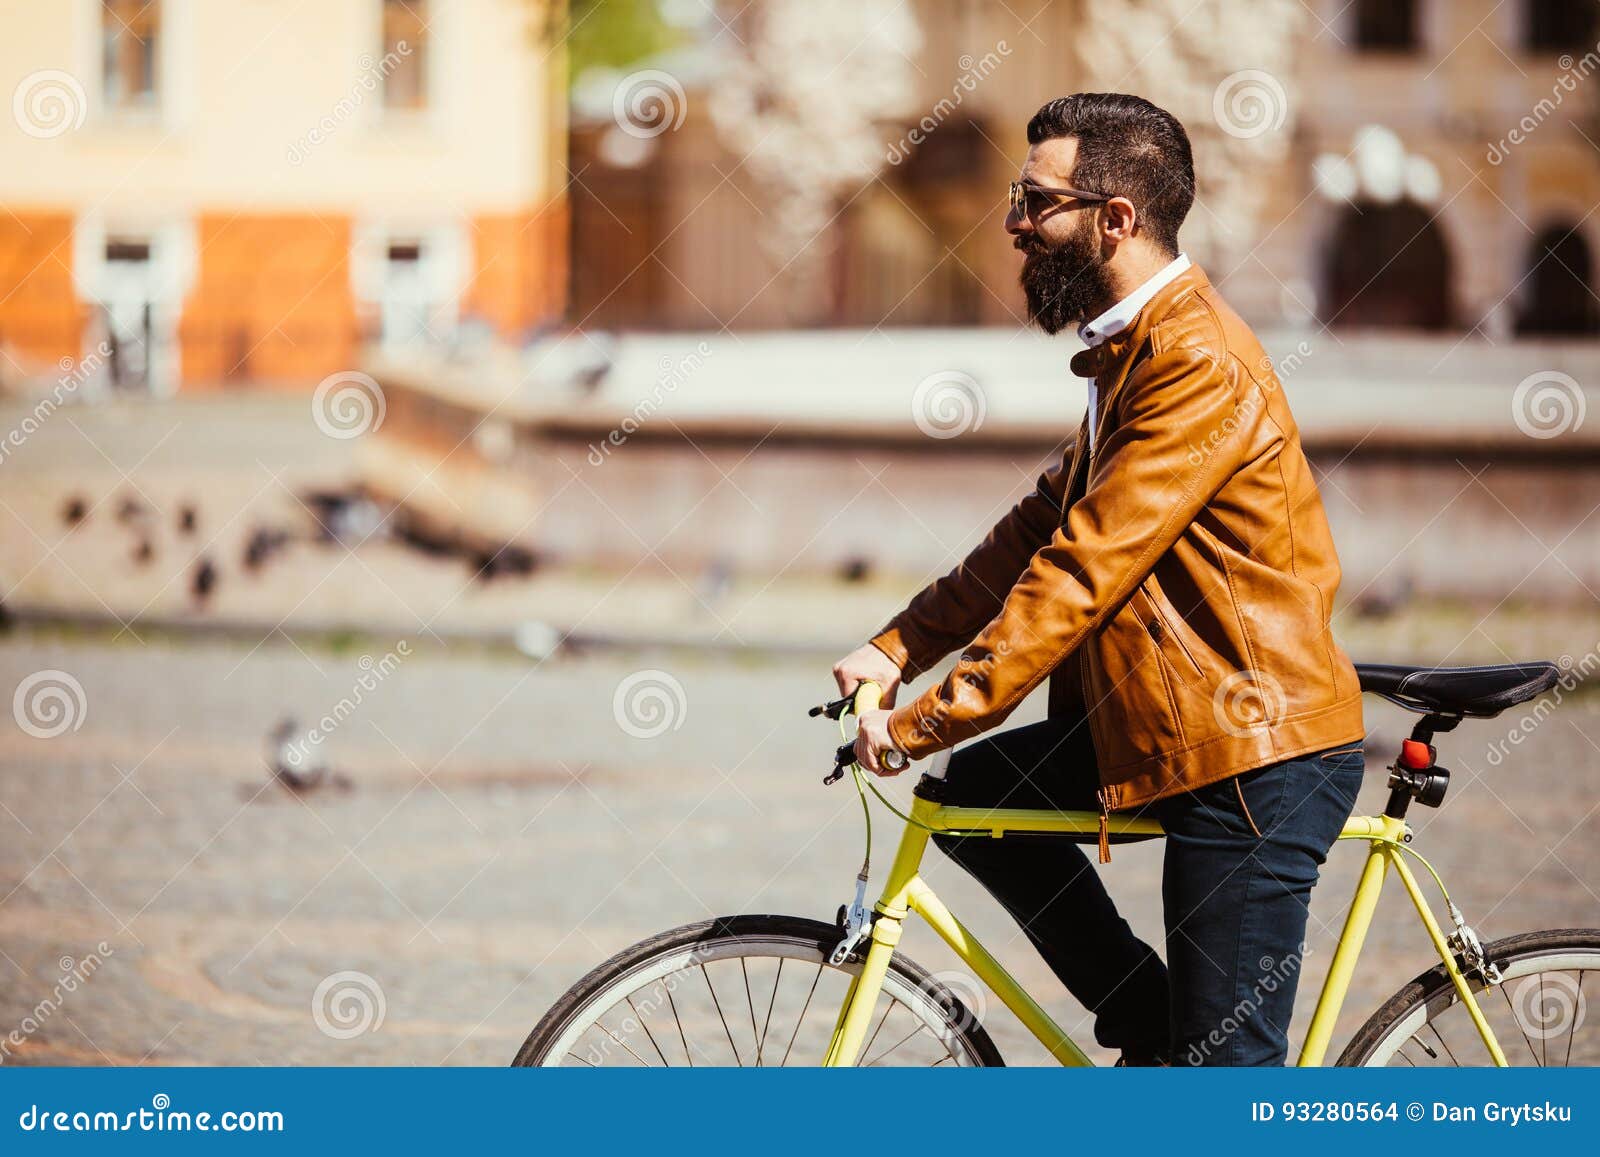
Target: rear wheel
(748, 991)
(1539, 1015)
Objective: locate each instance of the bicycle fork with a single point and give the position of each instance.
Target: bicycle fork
(862, 997)
(888, 922)
(905, 892)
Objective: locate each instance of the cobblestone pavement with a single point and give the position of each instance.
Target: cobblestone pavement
(496, 831)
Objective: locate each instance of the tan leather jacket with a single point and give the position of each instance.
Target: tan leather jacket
(1176, 581)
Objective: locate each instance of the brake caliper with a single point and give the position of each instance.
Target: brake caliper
(1474, 961)
(857, 924)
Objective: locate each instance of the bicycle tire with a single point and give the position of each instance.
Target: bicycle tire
(608, 985)
(1430, 994)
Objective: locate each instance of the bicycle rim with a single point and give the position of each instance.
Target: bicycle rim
(749, 991)
(1539, 1011)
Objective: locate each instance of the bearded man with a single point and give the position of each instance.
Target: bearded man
(1173, 577)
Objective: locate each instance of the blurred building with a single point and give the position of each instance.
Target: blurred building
(252, 192)
(1420, 164)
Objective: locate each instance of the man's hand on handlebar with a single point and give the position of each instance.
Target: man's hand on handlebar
(864, 663)
(873, 741)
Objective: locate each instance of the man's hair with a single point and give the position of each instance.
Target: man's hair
(1127, 147)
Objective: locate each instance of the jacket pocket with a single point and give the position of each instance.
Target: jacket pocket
(1159, 626)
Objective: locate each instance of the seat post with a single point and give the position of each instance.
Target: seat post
(1412, 779)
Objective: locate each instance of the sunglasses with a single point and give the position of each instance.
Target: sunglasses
(1030, 201)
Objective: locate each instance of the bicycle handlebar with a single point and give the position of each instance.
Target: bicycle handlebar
(866, 697)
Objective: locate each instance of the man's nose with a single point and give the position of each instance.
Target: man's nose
(1016, 224)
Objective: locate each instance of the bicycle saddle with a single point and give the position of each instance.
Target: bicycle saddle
(1480, 691)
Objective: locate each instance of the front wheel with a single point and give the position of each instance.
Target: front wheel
(749, 991)
(1539, 1016)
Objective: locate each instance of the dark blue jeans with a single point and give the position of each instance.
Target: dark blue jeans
(1242, 857)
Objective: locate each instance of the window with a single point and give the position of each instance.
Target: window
(120, 249)
(1386, 26)
(405, 54)
(1558, 25)
(1559, 299)
(128, 298)
(1388, 267)
(130, 32)
(411, 306)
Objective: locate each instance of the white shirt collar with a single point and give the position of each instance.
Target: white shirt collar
(1120, 316)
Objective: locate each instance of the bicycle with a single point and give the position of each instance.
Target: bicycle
(643, 1005)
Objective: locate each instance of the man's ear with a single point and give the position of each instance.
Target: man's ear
(1118, 219)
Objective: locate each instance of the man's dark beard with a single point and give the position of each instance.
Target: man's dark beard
(1063, 283)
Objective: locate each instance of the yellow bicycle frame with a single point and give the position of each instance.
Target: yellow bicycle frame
(904, 892)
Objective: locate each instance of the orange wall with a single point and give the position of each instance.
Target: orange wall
(271, 299)
(521, 275)
(41, 319)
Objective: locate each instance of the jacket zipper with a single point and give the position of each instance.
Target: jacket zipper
(1102, 793)
(1105, 825)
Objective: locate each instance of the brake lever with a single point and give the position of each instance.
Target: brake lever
(833, 710)
(842, 759)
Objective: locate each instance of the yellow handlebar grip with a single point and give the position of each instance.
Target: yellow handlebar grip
(868, 694)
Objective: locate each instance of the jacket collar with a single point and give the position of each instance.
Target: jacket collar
(1113, 353)
(1121, 315)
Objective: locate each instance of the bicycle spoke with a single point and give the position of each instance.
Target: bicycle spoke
(1577, 1007)
(1544, 1041)
(737, 1058)
(801, 1018)
(767, 1024)
(866, 1048)
(687, 1055)
(750, 1003)
(876, 1060)
(623, 1043)
(1440, 1038)
(648, 1034)
(1518, 1021)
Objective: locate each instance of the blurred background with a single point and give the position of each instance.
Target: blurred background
(447, 442)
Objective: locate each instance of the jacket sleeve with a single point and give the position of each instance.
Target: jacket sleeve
(948, 612)
(1174, 444)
